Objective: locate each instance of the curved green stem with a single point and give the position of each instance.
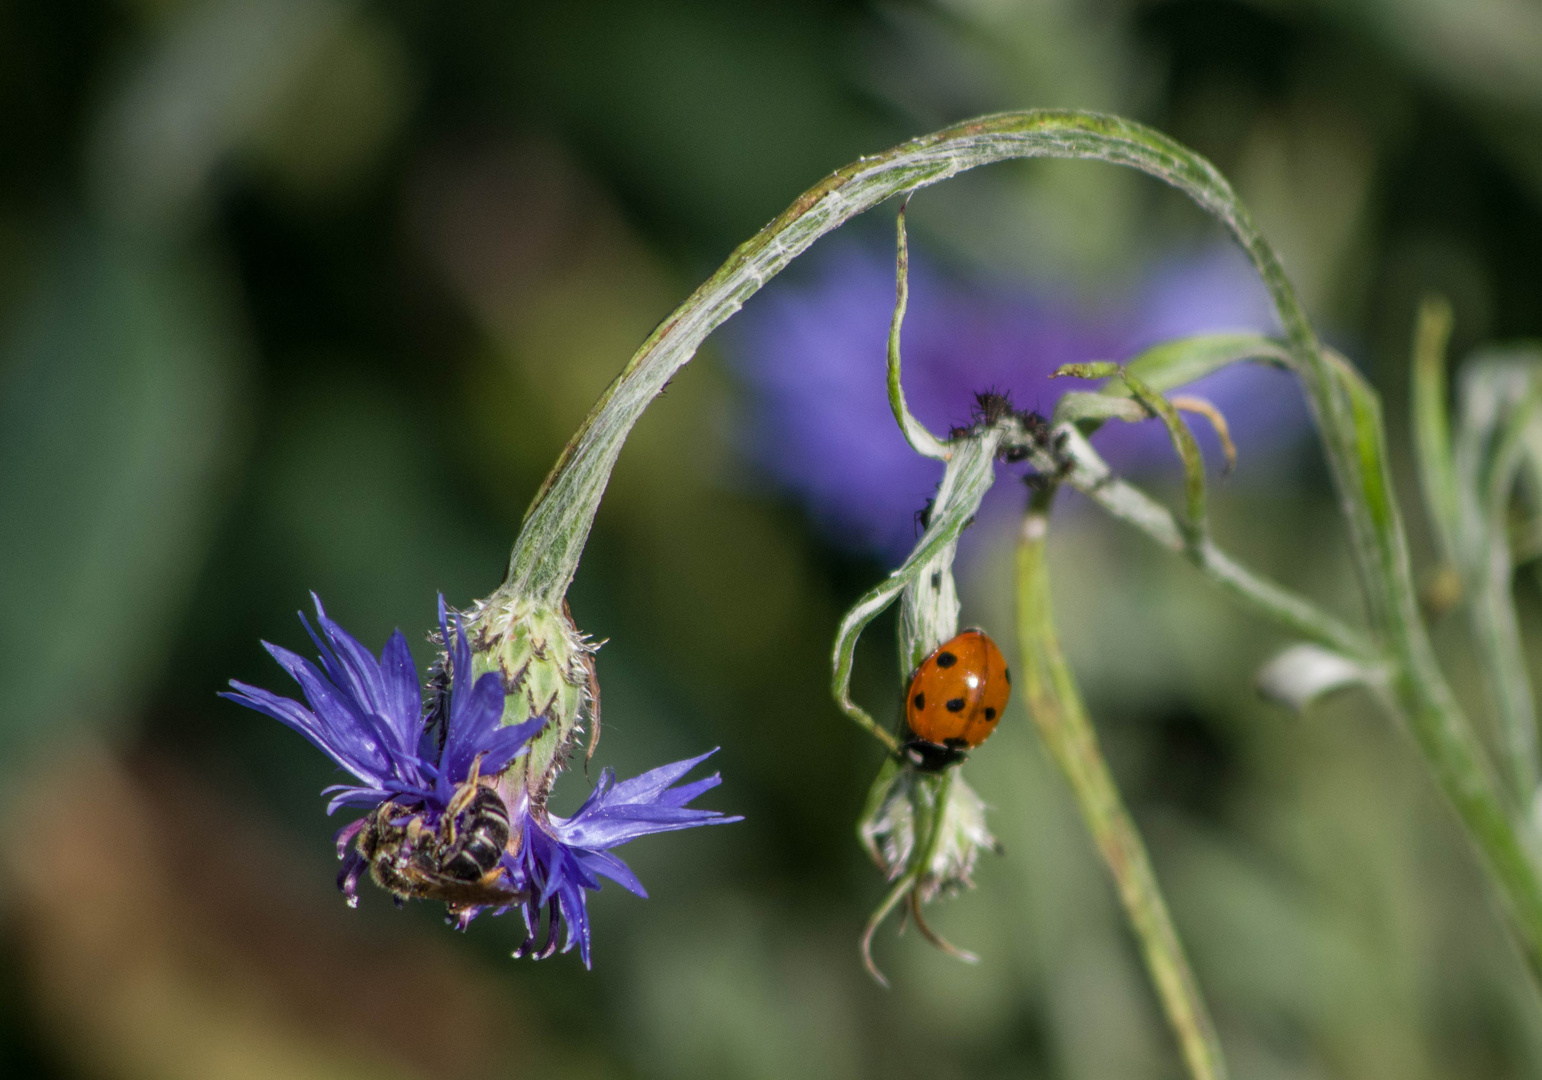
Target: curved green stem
(557, 524)
(1090, 475)
(1415, 686)
(1347, 412)
(1056, 706)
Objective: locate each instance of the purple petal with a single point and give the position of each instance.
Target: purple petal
(683, 794)
(284, 710)
(336, 712)
(646, 787)
(346, 834)
(403, 695)
(348, 876)
(360, 671)
(355, 796)
(508, 743)
(603, 863)
(613, 830)
(473, 718)
(325, 738)
(575, 913)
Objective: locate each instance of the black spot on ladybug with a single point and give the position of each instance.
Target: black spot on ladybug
(954, 704)
(990, 713)
(946, 659)
(920, 701)
(1008, 673)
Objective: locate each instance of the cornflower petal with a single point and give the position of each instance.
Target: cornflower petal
(649, 785)
(376, 687)
(679, 796)
(506, 744)
(472, 724)
(561, 859)
(293, 714)
(403, 695)
(340, 719)
(366, 715)
(604, 864)
(347, 663)
(624, 826)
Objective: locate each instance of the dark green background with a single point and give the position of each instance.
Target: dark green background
(308, 296)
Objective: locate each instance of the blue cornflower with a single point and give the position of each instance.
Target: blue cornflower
(439, 788)
(367, 715)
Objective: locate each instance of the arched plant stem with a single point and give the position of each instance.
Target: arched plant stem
(1347, 411)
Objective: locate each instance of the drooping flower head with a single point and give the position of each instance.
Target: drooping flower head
(448, 817)
(367, 715)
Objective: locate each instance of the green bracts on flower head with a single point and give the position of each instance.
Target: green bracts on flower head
(548, 669)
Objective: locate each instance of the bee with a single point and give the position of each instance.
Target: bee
(458, 862)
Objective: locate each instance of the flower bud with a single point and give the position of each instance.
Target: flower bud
(547, 668)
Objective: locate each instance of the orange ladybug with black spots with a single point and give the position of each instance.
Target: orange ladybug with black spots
(955, 700)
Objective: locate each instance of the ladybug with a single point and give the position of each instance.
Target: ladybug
(955, 700)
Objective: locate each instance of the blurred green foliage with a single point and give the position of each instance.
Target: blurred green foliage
(300, 295)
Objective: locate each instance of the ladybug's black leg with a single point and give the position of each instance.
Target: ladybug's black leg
(928, 756)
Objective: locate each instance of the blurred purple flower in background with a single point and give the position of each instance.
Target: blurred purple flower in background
(811, 350)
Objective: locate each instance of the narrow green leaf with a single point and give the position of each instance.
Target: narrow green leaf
(1097, 369)
(1181, 361)
(1162, 367)
(1098, 406)
(1187, 449)
(921, 440)
(1431, 423)
(968, 476)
